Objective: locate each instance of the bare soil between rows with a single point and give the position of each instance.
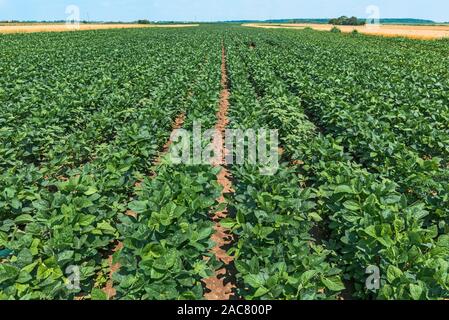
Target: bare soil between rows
(219, 286)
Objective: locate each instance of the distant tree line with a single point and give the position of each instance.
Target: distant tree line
(346, 21)
(319, 21)
(145, 21)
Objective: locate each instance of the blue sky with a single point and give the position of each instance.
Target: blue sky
(213, 10)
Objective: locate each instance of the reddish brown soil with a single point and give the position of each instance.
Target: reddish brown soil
(131, 213)
(218, 288)
(113, 268)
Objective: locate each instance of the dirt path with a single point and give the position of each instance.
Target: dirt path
(40, 27)
(409, 31)
(113, 268)
(219, 288)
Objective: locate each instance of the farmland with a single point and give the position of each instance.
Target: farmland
(86, 183)
(60, 27)
(388, 30)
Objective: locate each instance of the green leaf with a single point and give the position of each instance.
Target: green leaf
(240, 218)
(351, 205)
(166, 261)
(16, 204)
(98, 294)
(86, 220)
(255, 281)
(333, 284)
(40, 205)
(92, 190)
(8, 272)
(391, 199)
(29, 268)
(151, 251)
(261, 292)
(315, 217)
(306, 276)
(23, 219)
(106, 227)
(138, 206)
(416, 291)
(228, 223)
(204, 233)
(344, 189)
(393, 273)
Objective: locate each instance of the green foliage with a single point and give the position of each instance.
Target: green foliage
(144, 21)
(369, 162)
(335, 30)
(91, 122)
(363, 180)
(165, 246)
(346, 21)
(277, 257)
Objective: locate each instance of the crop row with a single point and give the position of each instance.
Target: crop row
(361, 217)
(389, 108)
(362, 184)
(69, 209)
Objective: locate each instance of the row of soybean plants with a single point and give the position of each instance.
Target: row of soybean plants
(276, 255)
(167, 248)
(94, 110)
(389, 105)
(360, 217)
(402, 138)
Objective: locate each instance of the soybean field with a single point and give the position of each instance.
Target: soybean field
(92, 208)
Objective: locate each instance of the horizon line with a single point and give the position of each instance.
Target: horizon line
(211, 21)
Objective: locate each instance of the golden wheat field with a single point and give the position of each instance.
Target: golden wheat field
(409, 31)
(59, 27)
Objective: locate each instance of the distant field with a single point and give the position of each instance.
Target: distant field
(58, 27)
(409, 31)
